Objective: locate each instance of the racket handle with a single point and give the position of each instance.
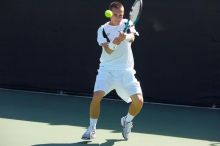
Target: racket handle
(125, 29)
(126, 26)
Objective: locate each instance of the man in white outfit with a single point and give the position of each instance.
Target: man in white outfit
(116, 71)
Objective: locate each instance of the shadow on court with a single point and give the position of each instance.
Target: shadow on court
(109, 142)
(194, 123)
(215, 144)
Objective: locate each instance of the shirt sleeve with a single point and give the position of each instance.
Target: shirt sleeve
(100, 37)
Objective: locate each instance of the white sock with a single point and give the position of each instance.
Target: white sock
(93, 122)
(129, 117)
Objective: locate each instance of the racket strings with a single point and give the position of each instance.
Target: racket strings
(136, 8)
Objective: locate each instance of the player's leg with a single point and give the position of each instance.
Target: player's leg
(135, 106)
(95, 107)
(102, 87)
(94, 115)
(130, 90)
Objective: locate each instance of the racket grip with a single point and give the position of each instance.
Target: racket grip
(126, 26)
(125, 29)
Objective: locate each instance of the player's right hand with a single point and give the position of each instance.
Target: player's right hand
(116, 41)
(120, 38)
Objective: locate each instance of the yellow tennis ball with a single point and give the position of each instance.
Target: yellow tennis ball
(108, 13)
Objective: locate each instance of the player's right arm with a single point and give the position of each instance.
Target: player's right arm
(107, 49)
(108, 46)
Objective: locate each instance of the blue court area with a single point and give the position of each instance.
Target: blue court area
(40, 119)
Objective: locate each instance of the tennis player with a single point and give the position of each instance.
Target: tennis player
(116, 71)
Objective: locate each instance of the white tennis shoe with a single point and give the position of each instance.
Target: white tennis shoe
(126, 128)
(89, 134)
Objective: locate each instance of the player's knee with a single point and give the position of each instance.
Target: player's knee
(138, 100)
(97, 96)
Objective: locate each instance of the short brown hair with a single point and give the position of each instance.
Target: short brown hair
(116, 5)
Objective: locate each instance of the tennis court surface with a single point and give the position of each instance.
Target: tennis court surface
(40, 119)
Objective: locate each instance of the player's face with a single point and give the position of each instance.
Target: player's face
(117, 15)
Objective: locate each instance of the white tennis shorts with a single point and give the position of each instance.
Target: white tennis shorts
(123, 81)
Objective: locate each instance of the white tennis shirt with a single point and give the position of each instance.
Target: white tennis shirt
(122, 57)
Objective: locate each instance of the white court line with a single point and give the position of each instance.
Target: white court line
(118, 100)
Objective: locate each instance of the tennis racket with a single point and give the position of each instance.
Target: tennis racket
(134, 14)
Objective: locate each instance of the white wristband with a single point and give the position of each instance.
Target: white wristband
(112, 46)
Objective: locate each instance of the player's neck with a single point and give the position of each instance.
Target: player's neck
(113, 24)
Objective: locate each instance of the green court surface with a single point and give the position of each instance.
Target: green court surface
(39, 119)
